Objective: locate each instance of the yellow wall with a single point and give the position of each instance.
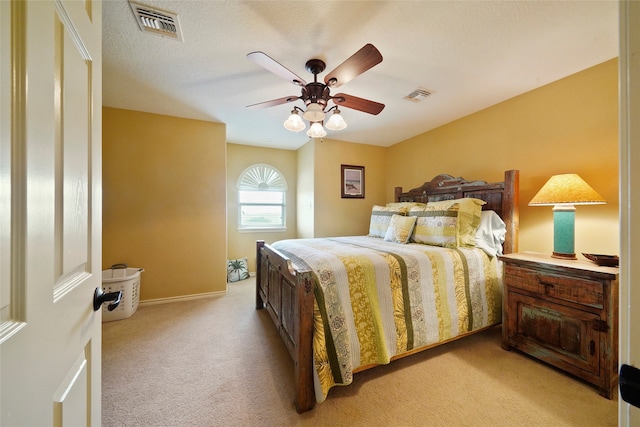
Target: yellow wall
(240, 157)
(333, 215)
(569, 126)
(306, 201)
(164, 201)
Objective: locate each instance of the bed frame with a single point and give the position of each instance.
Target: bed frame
(287, 293)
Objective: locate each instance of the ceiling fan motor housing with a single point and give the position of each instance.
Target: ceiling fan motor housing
(315, 93)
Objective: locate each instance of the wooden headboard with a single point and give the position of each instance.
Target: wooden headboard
(501, 197)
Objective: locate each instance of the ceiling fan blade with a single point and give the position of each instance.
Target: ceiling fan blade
(355, 103)
(356, 64)
(275, 67)
(273, 102)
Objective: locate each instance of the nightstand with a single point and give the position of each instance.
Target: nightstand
(565, 313)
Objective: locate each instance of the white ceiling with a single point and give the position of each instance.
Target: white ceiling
(471, 54)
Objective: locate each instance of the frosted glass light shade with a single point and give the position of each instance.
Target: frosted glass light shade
(316, 131)
(294, 123)
(336, 122)
(314, 113)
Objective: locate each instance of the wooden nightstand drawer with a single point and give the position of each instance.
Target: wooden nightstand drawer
(574, 289)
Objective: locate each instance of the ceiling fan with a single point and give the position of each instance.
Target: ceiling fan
(316, 95)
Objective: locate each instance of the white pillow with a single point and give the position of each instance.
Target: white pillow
(491, 233)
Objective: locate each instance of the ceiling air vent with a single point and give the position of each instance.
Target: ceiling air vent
(418, 95)
(157, 21)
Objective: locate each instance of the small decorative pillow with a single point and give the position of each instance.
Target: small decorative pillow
(380, 218)
(237, 269)
(400, 228)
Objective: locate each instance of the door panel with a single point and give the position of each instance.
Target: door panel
(70, 400)
(50, 233)
(73, 70)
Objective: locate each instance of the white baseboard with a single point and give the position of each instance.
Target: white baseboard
(188, 297)
(182, 298)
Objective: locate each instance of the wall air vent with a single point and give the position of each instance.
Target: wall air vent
(419, 94)
(157, 21)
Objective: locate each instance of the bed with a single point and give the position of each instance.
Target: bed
(346, 304)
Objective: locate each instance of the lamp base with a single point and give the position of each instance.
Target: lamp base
(564, 231)
(561, 255)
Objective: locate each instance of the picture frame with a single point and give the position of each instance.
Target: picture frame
(352, 181)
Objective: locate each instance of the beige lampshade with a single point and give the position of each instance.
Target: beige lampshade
(566, 189)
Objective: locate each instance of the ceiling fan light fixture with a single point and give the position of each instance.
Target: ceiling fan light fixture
(316, 95)
(314, 113)
(316, 131)
(294, 123)
(336, 121)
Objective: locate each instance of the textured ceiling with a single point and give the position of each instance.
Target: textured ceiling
(470, 54)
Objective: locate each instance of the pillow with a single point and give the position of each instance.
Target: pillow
(380, 218)
(491, 233)
(448, 223)
(400, 228)
(468, 220)
(435, 225)
(237, 269)
(407, 205)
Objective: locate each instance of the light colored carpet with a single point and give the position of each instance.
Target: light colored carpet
(220, 362)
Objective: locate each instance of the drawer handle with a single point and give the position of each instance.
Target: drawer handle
(592, 347)
(546, 284)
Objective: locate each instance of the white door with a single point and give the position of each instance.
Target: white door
(50, 212)
(629, 64)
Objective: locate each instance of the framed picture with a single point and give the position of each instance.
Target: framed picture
(352, 181)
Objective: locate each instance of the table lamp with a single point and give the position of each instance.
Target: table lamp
(563, 192)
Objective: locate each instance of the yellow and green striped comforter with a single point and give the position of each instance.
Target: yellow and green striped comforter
(377, 299)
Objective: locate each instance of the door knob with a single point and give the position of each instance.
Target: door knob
(100, 297)
(630, 384)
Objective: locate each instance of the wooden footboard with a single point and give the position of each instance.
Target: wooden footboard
(287, 294)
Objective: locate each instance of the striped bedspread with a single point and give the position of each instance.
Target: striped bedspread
(377, 299)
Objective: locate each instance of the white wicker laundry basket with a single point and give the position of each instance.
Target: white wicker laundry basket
(121, 278)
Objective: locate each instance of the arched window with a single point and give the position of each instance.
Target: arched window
(261, 198)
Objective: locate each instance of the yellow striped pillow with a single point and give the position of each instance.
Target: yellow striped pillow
(436, 226)
(448, 223)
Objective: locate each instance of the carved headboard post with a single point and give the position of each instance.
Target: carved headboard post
(511, 210)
